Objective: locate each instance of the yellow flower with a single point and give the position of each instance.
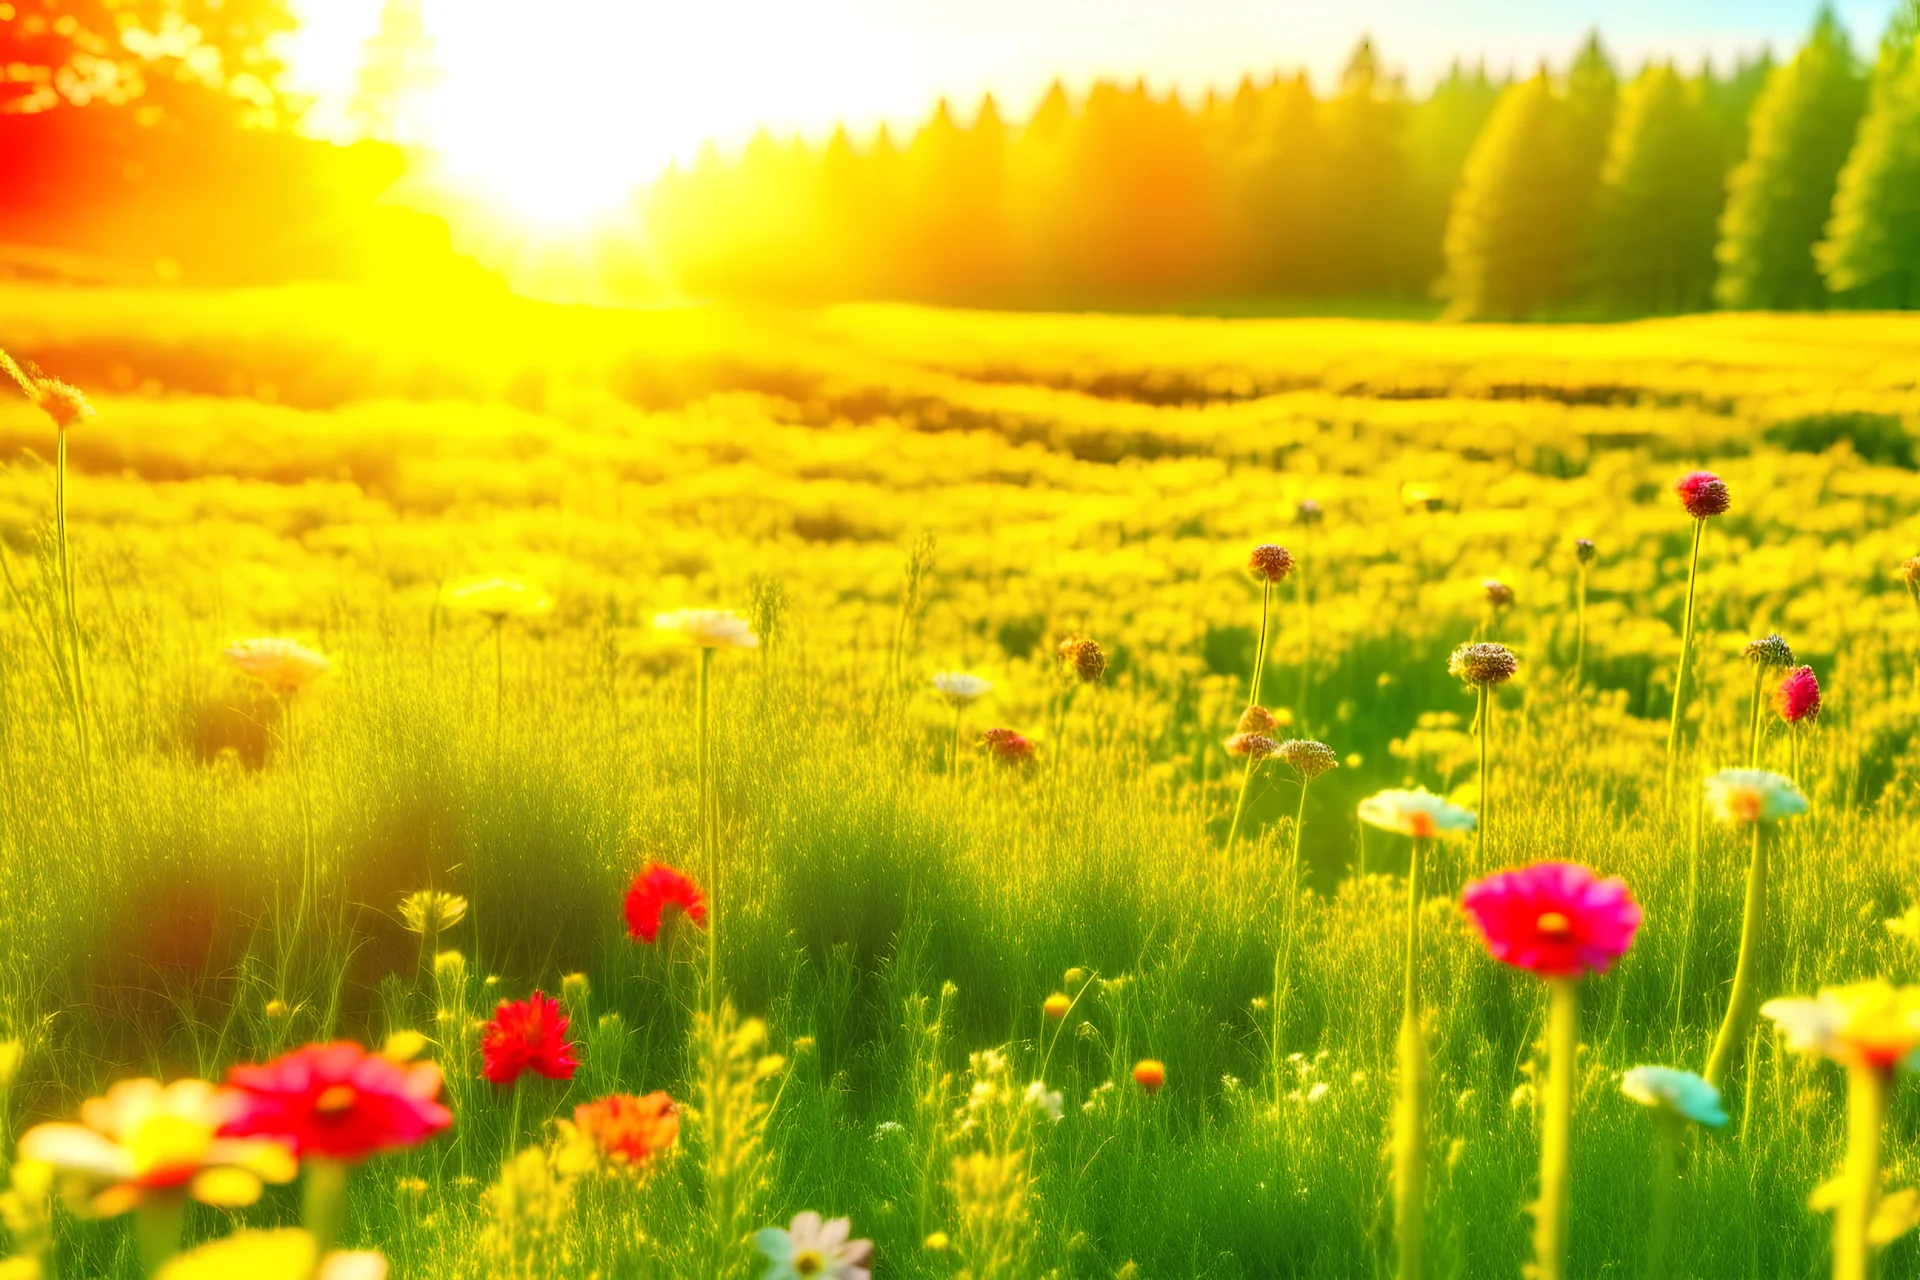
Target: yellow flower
(709, 628)
(284, 666)
(145, 1139)
(286, 1254)
(1415, 813)
(1738, 797)
(1865, 1024)
(430, 910)
(497, 599)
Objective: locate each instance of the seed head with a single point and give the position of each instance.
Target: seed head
(1258, 720)
(1798, 696)
(1703, 494)
(1483, 664)
(1499, 594)
(1307, 758)
(1309, 512)
(1254, 746)
(1583, 550)
(1270, 562)
(1085, 656)
(59, 401)
(1769, 651)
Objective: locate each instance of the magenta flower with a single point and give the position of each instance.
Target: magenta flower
(1703, 494)
(1555, 919)
(1799, 696)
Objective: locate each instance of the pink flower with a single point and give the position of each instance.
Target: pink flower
(1798, 696)
(1703, 494)
(338, 1100)
(1554, 918)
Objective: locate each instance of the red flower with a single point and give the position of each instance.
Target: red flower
(1703, 494)
(1006, 746)
(337, 1100)
(653, 891)
(527, 1035)
(1798, 696)
(1554, 918)
(629, 1130)
(1150, 1074)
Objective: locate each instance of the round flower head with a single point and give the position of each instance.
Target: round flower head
(1150, 1074)
(1740, 796)
(1006, 746)
(1867, 1024)
(810, 1249)
(1251, 746)
(1678, 1093)
(1769, 651)
(1798, 696)
(1556, 919)
(1499, 594)
(1583, 550)
(1307, 758)
(709, 628)
(1085, 656)
(1415, 813)
(1056, 1006)
(657, 892)
(145, 1140)
(1258, 720)
(282, 665)
(1703, 494)
(1483, 663)
(497, 599)
(627, 1130)
(959, 688)
(338, 1100)
(527, 1035)
(1270, 562)
(1309, 512)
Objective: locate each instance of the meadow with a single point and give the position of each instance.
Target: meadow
(886, 492)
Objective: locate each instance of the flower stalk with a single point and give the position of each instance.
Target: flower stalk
(709, 838)
(1744, 999)
(1686, 654)
(1410, 1115)
(1867, 1089)
(1551, 1214)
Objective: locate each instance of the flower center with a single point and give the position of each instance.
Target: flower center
(1553, 924)
(334, 1099)
(808, 1262)
(1423, 826)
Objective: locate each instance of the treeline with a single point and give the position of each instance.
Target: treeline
(1577, 193)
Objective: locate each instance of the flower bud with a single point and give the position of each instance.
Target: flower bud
(1309, 512)
(1583, 550)
(1270, 562)
(1769, 651)
(1258, 720)
(1483, 664)
(1499, 594)
(1056, 1006)
(1703, 494)
(1085, 656)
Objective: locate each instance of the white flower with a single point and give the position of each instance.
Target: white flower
(959, 687)
(1679, 1093)
(282, 665)
(1415, 813)
(497, 599)
(1738, 797)
(810, 1249)
(1318, 1092)
(709, 628)
(1049, 1101)
(887, 1128)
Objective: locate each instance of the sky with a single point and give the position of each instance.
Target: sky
(653, 79)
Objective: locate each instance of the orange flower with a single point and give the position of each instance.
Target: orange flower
(628, 1130)
(1150, 1074)
(1056, 1006)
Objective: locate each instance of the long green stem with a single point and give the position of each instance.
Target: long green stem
(1746, 994)
(1305, 601)
(1580, 629)
(308, 881)
(1866, 1117)
(1240, 805)
(1686, 655)
(1550, 1215)
(1410, 1116)
(954, 756)
(156, 1229)
(1694, 830)
(1484, 719)
(324, 1208)
(709, 838)
(1754, 719)
(1283, 955)
(1260, 653)
(1666, 1178)
(72, 609)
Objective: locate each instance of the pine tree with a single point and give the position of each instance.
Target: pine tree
(1593, 101)
(1660, 196)
(1779, 197)
(1507, 241)
(1872, 249)
(1367, 179)
(1440, 134)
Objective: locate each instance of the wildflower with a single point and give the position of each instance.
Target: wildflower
(282, 665)
(1739, 797)
(1006, 746)
(1258, 720)
(59, 401)
(937, 1242)
(959, 688)
(1307, 758)
(1085, 657)
(143, 1139)
(1798, 697)
(1270, 562)
(1309, 512)
(1415, 813)
(1056, 1006)
(1483, 664)
(428, 911)
(709, 628)
(1251, 746)
(337, 1100)
(1554, 918)
(1769, 651)
(497, 599)
(527, 1035)
(273, 1255)
(656, 891)
(811, 1248)
(1150, 1074)
(627, 1130)
(1499, 594)
(574, 988)
(275, 1009)
(403, 1046)
(1866, 1024)
(1319, 1090)
(1677, 1093)
(1075, 976)
(1049, 1101)
(1583, 550)
(1703, 494)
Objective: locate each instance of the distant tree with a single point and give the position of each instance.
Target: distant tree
(1440, 134)
(1872, 248)
(1274, 174)
(1367, 179)
(1593, 103)
(396, 67)
(1507, 241)
(1660, 196)
(1779, 197)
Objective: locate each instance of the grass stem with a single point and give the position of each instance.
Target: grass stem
(1745, 997)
